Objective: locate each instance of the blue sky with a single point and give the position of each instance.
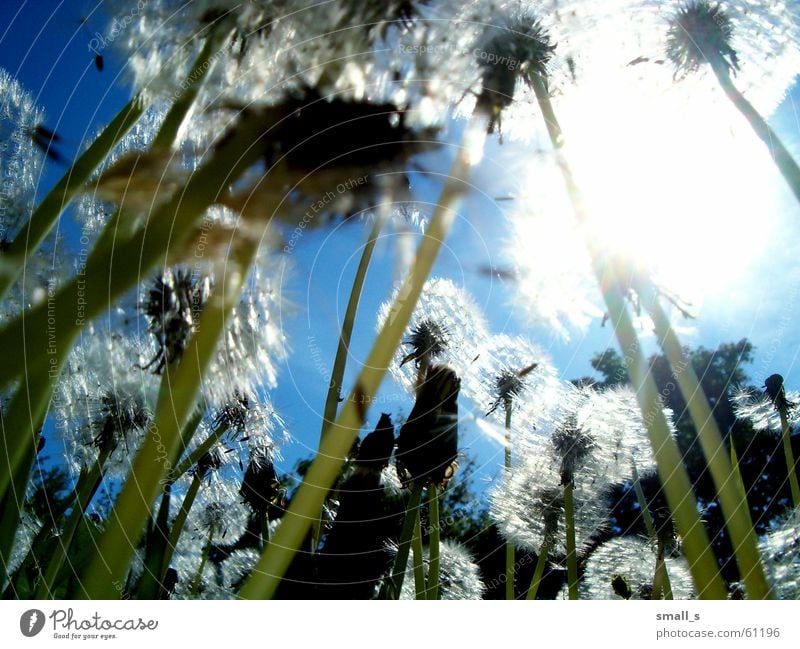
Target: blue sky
(44, 45)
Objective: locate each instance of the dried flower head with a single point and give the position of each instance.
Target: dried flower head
(376, 448)
(427, 446)
(261, 490)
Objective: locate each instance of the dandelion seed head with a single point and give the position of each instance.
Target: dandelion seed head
(218, 514)
(103, 398)
(780, 552)
(515, 371)
(21, 161)
(237, 567)
(528, 507)
(634, 560)
(700, 33)
(254, 344)
(446, 321)
(172, 307)
(459, 575)
(615, 421)
(758, 409)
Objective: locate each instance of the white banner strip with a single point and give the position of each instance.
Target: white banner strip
(400, 625)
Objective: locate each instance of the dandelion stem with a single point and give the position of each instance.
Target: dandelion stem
(510, 554)
(334, 448)
(791, 465)
(198, 577)
(162, 443)
(46, 214)
(658, 576)
(677, 486)
(541, 562)
(393, 584)
(343, 348)
(418, 558)
(651, 529)
(737, 472)
(433, 542)
(87, 489)
(572, 555)
(21, 432)
(204, 447)
(643, 505)
(178, 524)
(780, 154)
(180, 108)
(731, 499)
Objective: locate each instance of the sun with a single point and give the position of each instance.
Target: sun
(676, 184)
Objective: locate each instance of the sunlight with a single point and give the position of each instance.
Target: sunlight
(676, 185)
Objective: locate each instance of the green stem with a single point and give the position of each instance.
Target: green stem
(737, 472)
(204, 447)
(343, 347)
(178, 524)
(651, 529)
(87, 489)
(644, 506)
(673, 475)
(658, 575)
(334, 448)
(155, 458)
(791, 465)
(393, 583)
(780, 154)
(168, 132)
(541, 562)
(198, 577)
(731, 499)
(46, 214)
(572, 555)
(433, 542)
(21, 431)
(418, 559)
(510, 553)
